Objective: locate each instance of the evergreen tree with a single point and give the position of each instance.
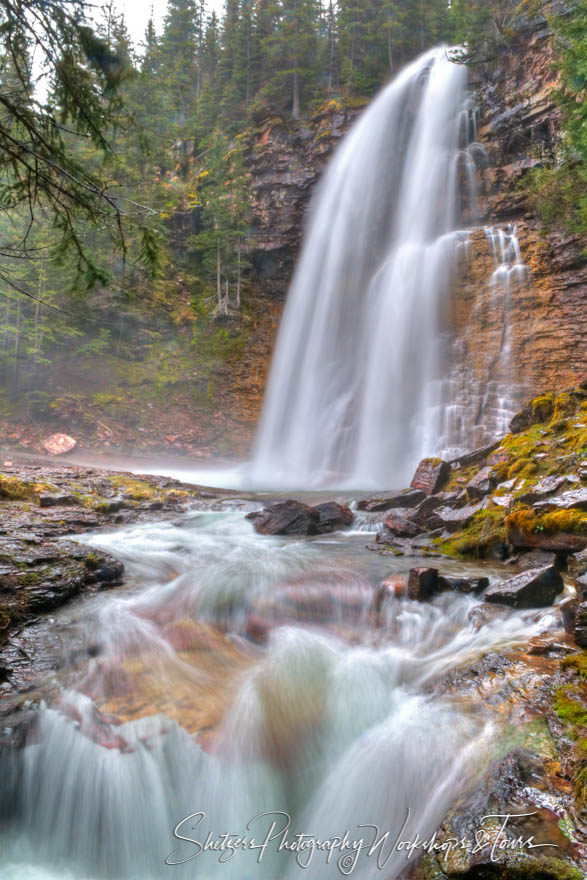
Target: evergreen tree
(293, 48)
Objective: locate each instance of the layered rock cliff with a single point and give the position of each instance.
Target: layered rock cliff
(538, 313)
(509, 340)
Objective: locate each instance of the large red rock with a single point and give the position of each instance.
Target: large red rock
(58, 444)
(399, 524)
(431, 475)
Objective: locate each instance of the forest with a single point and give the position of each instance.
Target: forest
(126, 170)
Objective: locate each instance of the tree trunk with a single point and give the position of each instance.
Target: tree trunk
(16, 350)
(218, 281)
(296, 96)
(238, 274)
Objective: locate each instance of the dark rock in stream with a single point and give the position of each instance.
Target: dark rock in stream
(536, 588)
(580, 631)
(286, 518)
(463, 584)
(333, 516)
(294, 518)
(422, 583)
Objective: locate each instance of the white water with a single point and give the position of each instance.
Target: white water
(331, 730)
(361, 386)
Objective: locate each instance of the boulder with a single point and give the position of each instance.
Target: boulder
(399, 524)
(333, 516)
(568, 608)
(482, 483)
(57, 500)
(574, 499)
(543, 488)
(392, 500)
(424, 514)
(536, 588)
(58, 444)
(463, 584)
(581, 625)
(422, 583)
(286, 518)
(453, 519)
(533, 413)
(431, 475)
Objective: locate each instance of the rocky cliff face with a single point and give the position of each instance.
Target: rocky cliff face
(538, 314)
(512, 334)
(286, 162)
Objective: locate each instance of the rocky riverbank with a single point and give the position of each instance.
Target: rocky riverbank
(41, 505)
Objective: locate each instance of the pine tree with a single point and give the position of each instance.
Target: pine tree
(293, 48)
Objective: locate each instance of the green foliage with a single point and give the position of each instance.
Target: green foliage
(559, 194)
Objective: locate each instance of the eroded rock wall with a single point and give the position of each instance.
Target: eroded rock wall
(520, 129)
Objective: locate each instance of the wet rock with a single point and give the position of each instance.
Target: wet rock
(56, 500)
(481, 484)
(477, 456)
(422, 583)
(333, 516)
(392, 500)
(485, 613)
(431, 475)
(463, 584)
(286, 518)
(424, 513)
(543, 488)
(536, 588)
(574, 499)
(568, 609)
(452, 519)
(397, 523)
(535, 559)
(580, 632)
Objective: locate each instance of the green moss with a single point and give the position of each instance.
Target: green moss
(564, 405)
(29, 579)
(526, 520)
(523, 467)
(543, 407)
(486, 532)
(4, 619)
(577, 662)
(17, 490)
(570, 707)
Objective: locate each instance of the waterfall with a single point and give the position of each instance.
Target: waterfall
(358, 386)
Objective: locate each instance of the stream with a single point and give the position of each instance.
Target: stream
(251, 686)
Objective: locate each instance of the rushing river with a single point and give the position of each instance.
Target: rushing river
(327, 718)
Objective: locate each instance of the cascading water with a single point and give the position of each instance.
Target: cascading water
(332, 723)
(361, 378)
